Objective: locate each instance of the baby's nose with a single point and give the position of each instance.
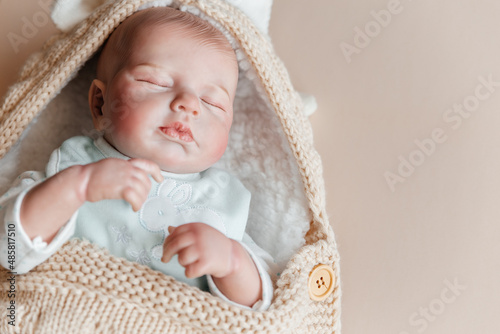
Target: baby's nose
(186, 102)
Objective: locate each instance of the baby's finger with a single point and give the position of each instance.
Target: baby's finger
(149, 167)
(175, 231)
(196, 269)
(132, 197)
(138, 181)
(174, 244)
(172, 233)
(188, 256)
(140, 184)
(183, 228)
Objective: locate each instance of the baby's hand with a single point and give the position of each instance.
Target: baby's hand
(202, 250)
(120, 179)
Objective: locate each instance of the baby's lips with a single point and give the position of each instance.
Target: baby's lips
(178, 130)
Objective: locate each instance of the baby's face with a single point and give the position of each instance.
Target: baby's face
(172, 101)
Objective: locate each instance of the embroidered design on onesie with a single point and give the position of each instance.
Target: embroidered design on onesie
(122, 234)
(169, 207)
(140, 256)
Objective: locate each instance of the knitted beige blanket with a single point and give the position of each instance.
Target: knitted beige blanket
(84, 289)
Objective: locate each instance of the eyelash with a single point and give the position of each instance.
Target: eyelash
(153, 83)
(213, 105)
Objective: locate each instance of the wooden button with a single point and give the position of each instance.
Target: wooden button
(321, 282)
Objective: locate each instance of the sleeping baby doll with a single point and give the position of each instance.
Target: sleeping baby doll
(144, 189)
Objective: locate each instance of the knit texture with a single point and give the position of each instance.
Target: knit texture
(85, 289)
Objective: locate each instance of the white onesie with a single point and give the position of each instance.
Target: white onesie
(213, 197)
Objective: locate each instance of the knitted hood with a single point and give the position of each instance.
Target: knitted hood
(270, 150)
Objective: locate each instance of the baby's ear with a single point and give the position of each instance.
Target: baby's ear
(96, 101)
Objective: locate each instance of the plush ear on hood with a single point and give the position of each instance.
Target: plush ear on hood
(66, 14)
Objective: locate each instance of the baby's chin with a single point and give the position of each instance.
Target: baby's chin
(174, 158)
(179, 160)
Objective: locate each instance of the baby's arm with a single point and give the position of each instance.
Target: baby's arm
(203, 250)
(50, 204)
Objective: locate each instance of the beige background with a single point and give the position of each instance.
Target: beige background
(422, 257)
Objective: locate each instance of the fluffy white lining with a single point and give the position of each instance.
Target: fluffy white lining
(258, 154)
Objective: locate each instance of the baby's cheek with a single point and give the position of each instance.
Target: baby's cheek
(124, 123)
(126, 98)
(219, 145)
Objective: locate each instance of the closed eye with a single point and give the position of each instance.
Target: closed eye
(153, 83)
(213, 105)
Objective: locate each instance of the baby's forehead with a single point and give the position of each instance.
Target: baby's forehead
(173, 22)
(132, 33)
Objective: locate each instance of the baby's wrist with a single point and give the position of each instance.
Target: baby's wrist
(235, 259)
(242, 283)
(83, 175)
